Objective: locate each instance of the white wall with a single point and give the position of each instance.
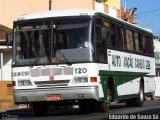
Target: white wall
(112, 12)
(99, 7)
(6, 73)
(157, 92)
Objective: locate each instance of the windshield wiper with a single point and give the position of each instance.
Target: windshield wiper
(64, 57)
(35, 61)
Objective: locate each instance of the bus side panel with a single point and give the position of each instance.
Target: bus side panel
(149, 84)
(104, 80)
(125, 84)
(127, 87)
(157, 83)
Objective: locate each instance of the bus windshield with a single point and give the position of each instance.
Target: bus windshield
(52, 42)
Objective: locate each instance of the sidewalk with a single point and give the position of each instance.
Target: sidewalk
(15, 112)
(16, 107)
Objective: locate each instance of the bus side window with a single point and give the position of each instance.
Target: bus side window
(119, 38)
(151, 46)
(112, 35)
(123, 38)
(129, 40)
(145, 47)
(136, 41)
(148, 45)
(101, 36)
(102, 47)
(142, 43)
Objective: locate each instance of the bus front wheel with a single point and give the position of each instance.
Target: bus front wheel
(40, 109)
(105, 105)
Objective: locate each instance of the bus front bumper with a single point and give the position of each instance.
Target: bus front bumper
(62, 94)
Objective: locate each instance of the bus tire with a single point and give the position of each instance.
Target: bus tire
(105, 105)
(129, 102)
(140, 100)
(40, 109)
(137, 102)
(88, 106)
(153, 97)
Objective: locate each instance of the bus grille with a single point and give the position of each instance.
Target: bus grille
(57, 71)
(45, 72)
(35, 72)
(51, 71)
(52, 83)
(68, 71)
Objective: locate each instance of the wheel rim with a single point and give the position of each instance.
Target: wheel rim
(107, 101)
(141, 94)
(106, 105)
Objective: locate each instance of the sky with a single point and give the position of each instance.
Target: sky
(147, 14)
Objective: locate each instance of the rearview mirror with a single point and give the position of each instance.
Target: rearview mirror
(8, 39)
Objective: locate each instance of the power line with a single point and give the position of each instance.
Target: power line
(146, 16)
(148, 11)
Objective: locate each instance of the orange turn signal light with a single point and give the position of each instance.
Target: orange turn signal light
(93, 79)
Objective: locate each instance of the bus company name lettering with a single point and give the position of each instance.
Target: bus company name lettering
(22, 73)
(130, 62)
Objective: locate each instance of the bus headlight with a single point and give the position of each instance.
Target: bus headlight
(24, 83)
(80, 80)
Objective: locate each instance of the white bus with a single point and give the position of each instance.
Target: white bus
(80, 57)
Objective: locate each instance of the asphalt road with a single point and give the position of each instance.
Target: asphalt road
(150, 110)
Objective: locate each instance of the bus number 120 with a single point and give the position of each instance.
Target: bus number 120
(80, 70)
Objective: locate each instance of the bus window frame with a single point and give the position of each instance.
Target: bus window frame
(105, 61)
(134, 29)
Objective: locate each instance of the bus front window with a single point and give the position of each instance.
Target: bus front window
(52, 42)
(73, 42)
(32, 44)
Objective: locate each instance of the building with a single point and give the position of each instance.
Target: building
(10, 9)
(112, 7)
(5, 55)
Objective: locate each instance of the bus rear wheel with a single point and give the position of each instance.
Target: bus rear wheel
(137, 102)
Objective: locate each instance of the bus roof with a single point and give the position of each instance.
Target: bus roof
(74, 12)
(56, 13)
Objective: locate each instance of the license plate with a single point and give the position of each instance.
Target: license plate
(53, 97)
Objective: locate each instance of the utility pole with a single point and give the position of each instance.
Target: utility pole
(125, 5)
(50, 4)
